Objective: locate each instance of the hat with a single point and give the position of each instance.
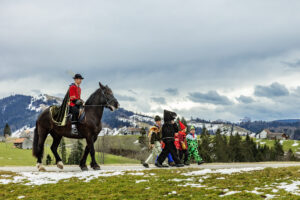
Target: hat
(182, 126)
(157, 118)
(169, 116)
(193, 128)
(78, 76)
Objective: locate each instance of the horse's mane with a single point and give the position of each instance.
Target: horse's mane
(93, 98)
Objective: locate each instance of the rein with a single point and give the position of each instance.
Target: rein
(108, 100)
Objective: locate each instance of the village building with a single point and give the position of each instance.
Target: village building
(267, 134)
(23, 143)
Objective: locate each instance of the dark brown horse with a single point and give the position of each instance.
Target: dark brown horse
(89, 128)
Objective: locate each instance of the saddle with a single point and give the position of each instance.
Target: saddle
(81, 117)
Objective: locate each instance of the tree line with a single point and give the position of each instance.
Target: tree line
(234, 148)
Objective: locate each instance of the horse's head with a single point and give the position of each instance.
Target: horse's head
(108, 99)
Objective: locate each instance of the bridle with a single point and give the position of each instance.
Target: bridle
(107, 101)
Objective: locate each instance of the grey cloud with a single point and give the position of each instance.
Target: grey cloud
(125, 98)
(245, 99)
(295, 64)
(160, 100)
(172, 91)
(212, 97)
(274, 90)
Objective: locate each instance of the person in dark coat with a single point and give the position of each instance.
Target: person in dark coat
(168, 132)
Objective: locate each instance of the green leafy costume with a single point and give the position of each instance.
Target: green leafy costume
(193, 147)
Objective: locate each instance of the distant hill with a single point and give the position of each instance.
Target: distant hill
(21, 112)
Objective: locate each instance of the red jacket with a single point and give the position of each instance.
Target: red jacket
(75, 93)
(176, 142)
(182, 139)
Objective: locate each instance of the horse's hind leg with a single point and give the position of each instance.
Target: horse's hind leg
(94, 164)
(54, 146)
(41, 142)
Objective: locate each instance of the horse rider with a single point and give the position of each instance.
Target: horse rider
(76, 103)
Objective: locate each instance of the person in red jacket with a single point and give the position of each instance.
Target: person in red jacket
(183, 148)
(75, 100)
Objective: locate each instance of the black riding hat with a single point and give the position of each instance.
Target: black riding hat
(78, 76)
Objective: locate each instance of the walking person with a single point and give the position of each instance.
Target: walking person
(183, 148)
(155, 143)
(168, 132)
(193, 146)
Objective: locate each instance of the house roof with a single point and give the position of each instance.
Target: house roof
(19, 140)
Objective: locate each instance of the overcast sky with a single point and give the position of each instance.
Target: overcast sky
(214, 59)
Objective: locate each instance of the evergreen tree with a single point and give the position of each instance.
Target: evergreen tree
(235, 148)
(291, 156)
(248, 150)
(278, 151)
(205, 146)
(7, 130)
(62, 150)
(76, 153)
(220, 147)
(48, 160)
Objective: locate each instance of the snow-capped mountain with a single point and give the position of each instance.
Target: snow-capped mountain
(21, 111)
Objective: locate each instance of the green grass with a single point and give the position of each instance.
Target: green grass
(287, 144)
(159, 185)
(10, 156)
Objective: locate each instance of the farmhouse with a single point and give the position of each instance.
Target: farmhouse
(267, 134)
(23, 143)
(134, 131)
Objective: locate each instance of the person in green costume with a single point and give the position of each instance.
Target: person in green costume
(193, 146)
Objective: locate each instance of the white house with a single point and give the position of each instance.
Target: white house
(263, 134)
(23, 143)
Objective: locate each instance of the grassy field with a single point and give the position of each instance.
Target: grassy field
(10, 156)
(287, 144)
(269, 183)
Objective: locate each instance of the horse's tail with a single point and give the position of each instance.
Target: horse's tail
(35, 147)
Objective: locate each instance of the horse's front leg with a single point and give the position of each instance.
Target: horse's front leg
(83, 160)
(94, 164)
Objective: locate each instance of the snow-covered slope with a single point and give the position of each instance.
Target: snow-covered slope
(226, 129)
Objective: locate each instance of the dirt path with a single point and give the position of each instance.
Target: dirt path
(140, 167)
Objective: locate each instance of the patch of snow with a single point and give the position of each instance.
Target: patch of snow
(221, 171)
(281, 142)
(141, 181)
(181, 180)
(172, 193)
(221, 178)
(270, 196)
(292, 187)
(229, 193)
(40, 178)
(137, 174)
(21, 197)
(192, 185)
(295, 144)
(274, 191)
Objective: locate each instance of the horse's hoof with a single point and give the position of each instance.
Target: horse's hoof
(40, 167)
(96, 168)
(60, 165)
(84, 168)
